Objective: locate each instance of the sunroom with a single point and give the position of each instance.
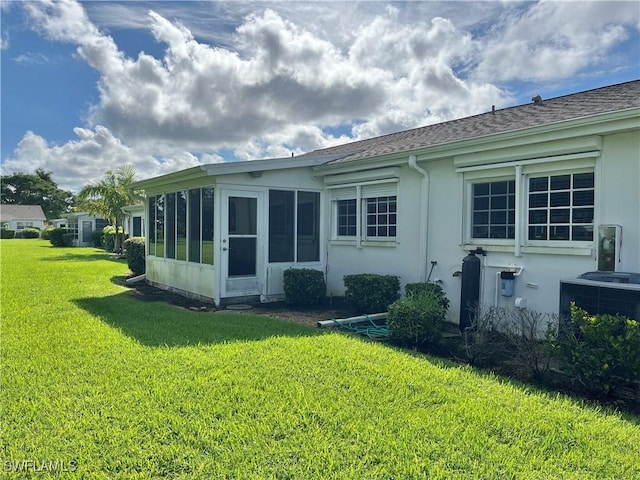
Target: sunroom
(226, 232)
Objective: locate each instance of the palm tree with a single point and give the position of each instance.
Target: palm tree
(107, 197)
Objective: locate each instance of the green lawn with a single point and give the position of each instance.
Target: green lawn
(111, 387)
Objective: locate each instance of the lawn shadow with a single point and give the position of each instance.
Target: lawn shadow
(161, 324)
(83, 257)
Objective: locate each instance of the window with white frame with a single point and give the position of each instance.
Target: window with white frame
(346, 217)
(366, 212)
(180, 225)
(493, 209)
(560, 207)
(381, 217)
(537, 204)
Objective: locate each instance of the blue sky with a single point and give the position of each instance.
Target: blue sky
(169, 85)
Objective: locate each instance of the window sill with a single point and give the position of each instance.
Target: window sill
(578, 250)
(365, 243)
(558, 250)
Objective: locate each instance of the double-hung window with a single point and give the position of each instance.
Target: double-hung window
(493, 209)
(560, 207)
(532, 204)
(366, 212)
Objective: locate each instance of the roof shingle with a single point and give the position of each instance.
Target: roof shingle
(568, 107)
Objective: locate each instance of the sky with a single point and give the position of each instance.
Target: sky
(164, 86)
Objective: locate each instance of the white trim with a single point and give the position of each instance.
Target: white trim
(362, 184)
(533, 161)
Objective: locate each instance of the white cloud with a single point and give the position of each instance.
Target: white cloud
(81, 161)
(31, 59)
(266, 82)
(553, 40)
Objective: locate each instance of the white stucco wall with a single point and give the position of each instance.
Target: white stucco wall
(617, 187)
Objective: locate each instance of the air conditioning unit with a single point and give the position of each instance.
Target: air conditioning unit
(602, 292)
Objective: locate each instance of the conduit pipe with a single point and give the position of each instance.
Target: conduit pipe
(134, 280)
(424, 212)
(350, 320)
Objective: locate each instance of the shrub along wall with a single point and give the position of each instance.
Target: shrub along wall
(135, 254)
(600, 352)
(7, 233)
(304, 287)
(371, 293)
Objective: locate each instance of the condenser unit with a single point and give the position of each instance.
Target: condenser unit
(602, 292)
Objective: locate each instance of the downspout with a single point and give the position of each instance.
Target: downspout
(424, 212)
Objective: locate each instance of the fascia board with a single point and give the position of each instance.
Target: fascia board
(170, 178)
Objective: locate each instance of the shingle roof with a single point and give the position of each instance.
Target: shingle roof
(568, 107)
(21, 212)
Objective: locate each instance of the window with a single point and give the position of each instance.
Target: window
(186, 219)
(207, 225)
(493, 210)
(381, 216)
(170, 225)
(561, 207)
(347, 218)
(366, 212)
(294, 226)
(22, 225)
(194, 225)
(181, 225)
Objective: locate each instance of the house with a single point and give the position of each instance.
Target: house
(134, 220)
(18, 217)
(82, 225)
(547, 189)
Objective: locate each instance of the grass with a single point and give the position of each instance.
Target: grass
(111, 387)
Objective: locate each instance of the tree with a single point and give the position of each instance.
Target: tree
(106, 198)
(36, 189)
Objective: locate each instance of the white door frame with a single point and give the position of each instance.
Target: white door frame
(242, 284)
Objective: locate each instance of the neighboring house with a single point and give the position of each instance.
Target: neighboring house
(544, 188)
(81, 224)
(134, 220)
(18, 217)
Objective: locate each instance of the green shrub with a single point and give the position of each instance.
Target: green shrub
(371, 293)
(135, 254)
(46, 233)
(418, 319)
(600, 351)
(60, 237)
(7, 233)
(96, 238)
(30, 232)
(430, 289)
(304, 286)
(109, 237)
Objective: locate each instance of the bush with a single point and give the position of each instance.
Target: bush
(429, 289)
(60, 237)
(96, 238)
(600, 351)
(7, 233)
(46, 233)
(109, 238)
(135, 253)
(30, 232)
(417, 319)
(371, 293)
(304, 286)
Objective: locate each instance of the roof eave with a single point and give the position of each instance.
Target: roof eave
(603, 123)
